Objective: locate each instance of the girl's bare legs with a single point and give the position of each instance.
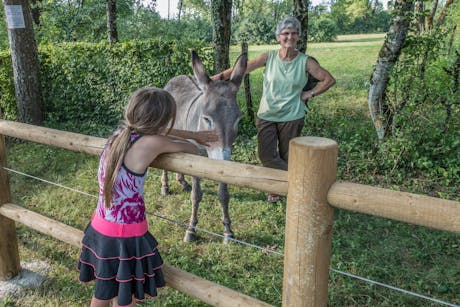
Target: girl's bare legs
(106, 303)
(115, 303)
(99, 303)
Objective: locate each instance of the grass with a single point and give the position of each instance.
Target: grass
(413, 258)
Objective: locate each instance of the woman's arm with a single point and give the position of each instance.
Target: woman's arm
(326, 80)
(257, 62)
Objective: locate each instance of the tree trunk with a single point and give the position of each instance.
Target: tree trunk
(24, 55)
(301, 13)
(430, 17)
(443, 13)
(388, 55)
(111, 8)
(179, 8)
(221, 30)
(420, 16)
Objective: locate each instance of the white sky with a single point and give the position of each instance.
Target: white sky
(162, 7)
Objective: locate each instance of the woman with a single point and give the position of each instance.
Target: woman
(282, 107)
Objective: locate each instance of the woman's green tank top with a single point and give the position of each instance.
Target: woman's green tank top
(282, 86)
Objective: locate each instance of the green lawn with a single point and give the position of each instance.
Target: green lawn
(414, 258)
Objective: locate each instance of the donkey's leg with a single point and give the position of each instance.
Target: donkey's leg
(164, 183)
(181, 179)
(224, 197)
(196, 196)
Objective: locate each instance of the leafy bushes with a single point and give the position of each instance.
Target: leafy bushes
(322, 29)
(85, 85)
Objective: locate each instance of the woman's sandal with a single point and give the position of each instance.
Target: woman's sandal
(273, 198)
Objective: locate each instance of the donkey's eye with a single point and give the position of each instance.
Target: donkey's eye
(208, 122)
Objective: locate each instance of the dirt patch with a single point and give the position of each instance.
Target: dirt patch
(31, 276)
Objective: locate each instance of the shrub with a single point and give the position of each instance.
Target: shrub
(85, 85)
(322, 29)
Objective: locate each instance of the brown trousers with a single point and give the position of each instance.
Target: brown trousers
(273, 141)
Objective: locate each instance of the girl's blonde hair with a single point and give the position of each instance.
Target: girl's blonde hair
(148, 112)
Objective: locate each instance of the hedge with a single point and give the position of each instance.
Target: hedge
(86, 85)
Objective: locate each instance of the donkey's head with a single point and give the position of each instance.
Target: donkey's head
(220, 111)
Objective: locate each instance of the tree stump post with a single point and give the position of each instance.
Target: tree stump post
(9, 252)
(312, 170)
(247, 88)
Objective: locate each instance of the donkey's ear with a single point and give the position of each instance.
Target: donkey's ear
(199, 71)
(239, 69)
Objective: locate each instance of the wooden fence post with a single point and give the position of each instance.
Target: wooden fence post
(309, 218)
(9, 252)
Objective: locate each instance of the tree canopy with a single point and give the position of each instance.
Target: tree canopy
(253, 21)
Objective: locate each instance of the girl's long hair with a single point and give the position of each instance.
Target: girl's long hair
(149, 110)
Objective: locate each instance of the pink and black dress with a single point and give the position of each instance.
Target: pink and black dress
(118, 251)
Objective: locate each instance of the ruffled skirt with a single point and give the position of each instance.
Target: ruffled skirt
(122, 259)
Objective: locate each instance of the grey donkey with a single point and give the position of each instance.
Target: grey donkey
(205, 104)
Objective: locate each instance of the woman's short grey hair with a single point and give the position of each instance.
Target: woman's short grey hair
(288, 22)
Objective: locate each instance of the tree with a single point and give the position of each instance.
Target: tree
(388, 56)
(301, 13)
(221, 23)
(24, 55)
(111, 9)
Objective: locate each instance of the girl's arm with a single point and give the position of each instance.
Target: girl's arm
(201, 137)
(143, 152)
(258, 62)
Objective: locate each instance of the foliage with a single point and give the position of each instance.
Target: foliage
(145, 23)
(360, 16)
(69, 21)
(254, 31)
(322, 29)
(3, 30)
(85, 85)
(8, 109)
(424, 100)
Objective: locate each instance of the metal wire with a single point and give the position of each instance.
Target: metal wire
(265, 249)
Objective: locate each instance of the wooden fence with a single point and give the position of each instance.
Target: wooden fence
(312, 194)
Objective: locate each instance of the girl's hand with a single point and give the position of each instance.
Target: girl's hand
(201, 150)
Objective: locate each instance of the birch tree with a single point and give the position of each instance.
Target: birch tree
(388, 55)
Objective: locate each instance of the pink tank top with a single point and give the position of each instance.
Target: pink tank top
(127, 206)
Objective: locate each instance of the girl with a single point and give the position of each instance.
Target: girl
(118, 251)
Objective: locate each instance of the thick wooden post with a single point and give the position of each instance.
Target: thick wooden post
(9, 253)
(312, 170)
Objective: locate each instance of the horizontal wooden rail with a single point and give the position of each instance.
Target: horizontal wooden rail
(192, 285)
(239, 174)
(407, 207)
(63, 139)
(402, 206)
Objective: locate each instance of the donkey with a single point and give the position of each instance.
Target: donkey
(205, 104)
